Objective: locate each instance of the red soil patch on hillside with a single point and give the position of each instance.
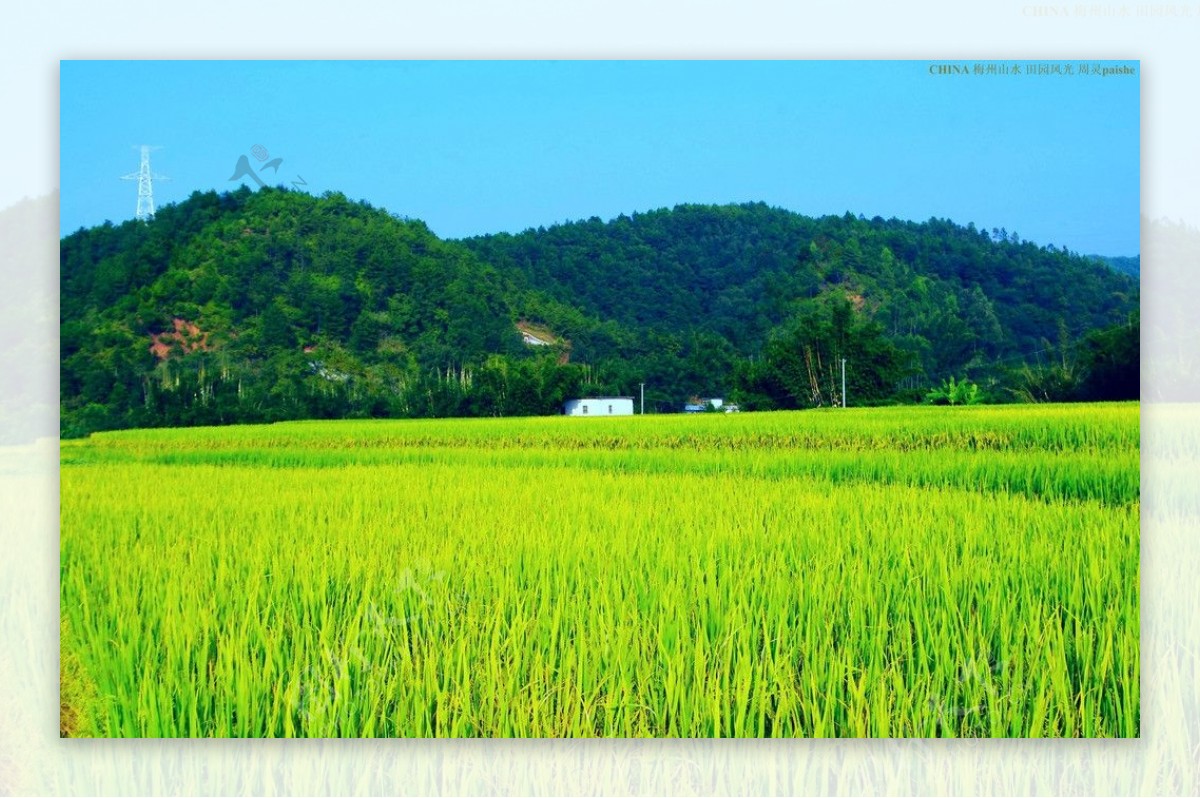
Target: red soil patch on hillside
(189, 337)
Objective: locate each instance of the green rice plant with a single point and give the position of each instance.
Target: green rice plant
(900, 572)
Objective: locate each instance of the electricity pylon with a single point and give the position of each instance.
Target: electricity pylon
(145, 178)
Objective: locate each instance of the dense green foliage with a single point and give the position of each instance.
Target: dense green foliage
(951, 299)
(273, 305)
(917, 571)
(1124, 264)
(954, 392)
(292, 307)
(1104, 365)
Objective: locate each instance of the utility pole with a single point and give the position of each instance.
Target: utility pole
(643, 398)
(843, 382)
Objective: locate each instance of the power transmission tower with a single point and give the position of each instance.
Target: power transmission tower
(145, 178)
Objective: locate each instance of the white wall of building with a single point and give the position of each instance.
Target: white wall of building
(599, 406)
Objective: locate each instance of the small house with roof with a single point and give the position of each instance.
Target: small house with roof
(599, 406)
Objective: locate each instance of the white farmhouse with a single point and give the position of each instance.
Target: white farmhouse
(599, 406)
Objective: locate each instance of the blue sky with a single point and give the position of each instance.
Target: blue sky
(478, 147)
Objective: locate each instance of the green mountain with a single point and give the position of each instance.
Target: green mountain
(1125, 265)
(951, 295)
(268, 305)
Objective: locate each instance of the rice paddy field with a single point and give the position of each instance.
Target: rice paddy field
(894, 572)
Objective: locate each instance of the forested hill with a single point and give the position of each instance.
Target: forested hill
(1126, 265)
(259, 306)
(741, 270)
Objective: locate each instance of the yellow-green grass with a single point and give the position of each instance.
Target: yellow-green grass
(890, 572)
